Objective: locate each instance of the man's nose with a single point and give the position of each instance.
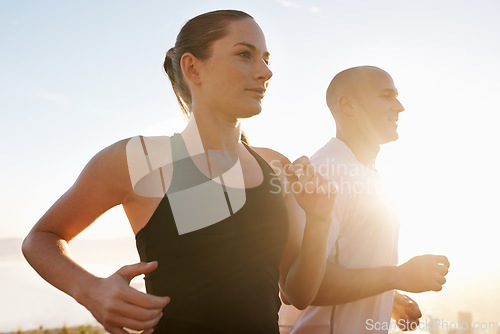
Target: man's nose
(399, 106)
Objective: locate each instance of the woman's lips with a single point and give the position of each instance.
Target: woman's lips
(260, 92)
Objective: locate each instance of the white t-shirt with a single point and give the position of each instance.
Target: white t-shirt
(363, 234)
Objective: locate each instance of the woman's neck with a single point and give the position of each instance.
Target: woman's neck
(212, 133)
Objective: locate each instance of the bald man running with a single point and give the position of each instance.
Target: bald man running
(357, 294)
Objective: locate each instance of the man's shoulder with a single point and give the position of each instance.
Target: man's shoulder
(333, 154)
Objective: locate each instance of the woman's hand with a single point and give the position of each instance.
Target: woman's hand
(116, 305)
(315, 195)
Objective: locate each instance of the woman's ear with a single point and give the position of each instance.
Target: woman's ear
(189, 66)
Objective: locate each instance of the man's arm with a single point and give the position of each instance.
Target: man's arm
(342, 285)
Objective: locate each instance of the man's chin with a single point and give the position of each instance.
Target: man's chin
(389, 139)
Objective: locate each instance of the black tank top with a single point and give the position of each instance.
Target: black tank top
(222, 278)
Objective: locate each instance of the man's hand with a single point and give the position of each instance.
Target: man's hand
(422, 273)
(405, 312)
(116, 305)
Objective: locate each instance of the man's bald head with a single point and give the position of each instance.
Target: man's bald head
(351, 82)
(364, 102)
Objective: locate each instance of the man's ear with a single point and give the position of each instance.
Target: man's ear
(346, 106)
(189, 66)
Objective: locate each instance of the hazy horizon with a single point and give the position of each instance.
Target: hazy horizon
(40, 304)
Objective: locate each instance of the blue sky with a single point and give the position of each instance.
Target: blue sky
(78, 76)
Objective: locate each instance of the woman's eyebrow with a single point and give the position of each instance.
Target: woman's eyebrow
(252, 47)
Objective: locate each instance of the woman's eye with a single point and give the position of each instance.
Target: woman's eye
(245, 54)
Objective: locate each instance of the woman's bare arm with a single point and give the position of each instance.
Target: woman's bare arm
(103, 184)
(309, 210)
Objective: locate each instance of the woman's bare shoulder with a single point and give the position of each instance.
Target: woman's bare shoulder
(116, 165)
(149, 164)
(271, 156)
(108, 168)
(155, 147)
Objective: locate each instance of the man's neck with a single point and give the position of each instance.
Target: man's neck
(365, 150)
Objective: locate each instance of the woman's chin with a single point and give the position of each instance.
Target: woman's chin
(251, 112)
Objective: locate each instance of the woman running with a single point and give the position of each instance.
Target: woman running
(215, 228)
